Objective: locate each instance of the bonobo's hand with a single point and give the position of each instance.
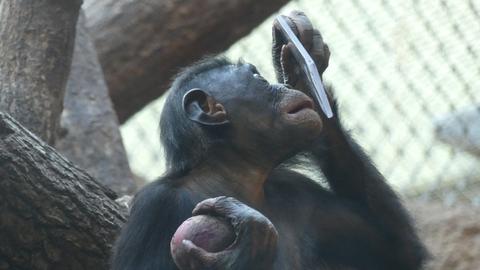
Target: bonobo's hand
(286, 67)
(253, 248)
(288, 70)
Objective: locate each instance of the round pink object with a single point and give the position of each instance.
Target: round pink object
(210, 233)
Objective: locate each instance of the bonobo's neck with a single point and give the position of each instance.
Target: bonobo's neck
(230, 173)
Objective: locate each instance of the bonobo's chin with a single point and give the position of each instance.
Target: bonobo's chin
(299, 130)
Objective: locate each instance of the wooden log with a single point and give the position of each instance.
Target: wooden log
(52, 214)
(142, 44)
(89, 134)
(36, 46)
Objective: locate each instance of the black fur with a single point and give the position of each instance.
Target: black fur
(358, 223)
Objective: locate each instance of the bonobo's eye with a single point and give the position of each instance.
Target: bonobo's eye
(256, 74)
(253, 69)
(259, 77)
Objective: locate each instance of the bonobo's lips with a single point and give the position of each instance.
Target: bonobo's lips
(299, 104)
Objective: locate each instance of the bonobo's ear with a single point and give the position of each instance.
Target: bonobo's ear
(203, 109)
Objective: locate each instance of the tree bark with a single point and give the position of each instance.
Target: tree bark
(36, 45)
(89, 134)
(142, 44)
(52, 215)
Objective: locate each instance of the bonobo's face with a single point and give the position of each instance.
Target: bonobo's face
(265, 117)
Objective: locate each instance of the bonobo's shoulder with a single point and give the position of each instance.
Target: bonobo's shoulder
(160, 186)
(288, 181)
(157, 211)
(164, 190)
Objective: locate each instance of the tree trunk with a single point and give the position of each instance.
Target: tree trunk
(141, 44)
(36, 44)
(52, 215)
(90, 135)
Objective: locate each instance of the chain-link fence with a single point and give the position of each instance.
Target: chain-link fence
(407, 75)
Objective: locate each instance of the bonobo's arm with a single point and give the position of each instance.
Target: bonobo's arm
(348, 170)
(351, 175)
(144, 243)
(159, 209)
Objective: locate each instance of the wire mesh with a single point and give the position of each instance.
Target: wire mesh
(407, 75)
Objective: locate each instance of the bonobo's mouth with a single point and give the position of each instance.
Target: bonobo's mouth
(299, 105)
(298, 109)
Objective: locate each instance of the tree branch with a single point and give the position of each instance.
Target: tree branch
(52, 215)
(142, 44)
(36, 45)
(90, 135)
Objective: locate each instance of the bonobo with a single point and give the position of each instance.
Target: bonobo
(230, 139)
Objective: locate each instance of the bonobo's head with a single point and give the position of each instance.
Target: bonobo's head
(218, 105)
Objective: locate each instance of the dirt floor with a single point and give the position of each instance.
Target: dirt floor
(452, 234)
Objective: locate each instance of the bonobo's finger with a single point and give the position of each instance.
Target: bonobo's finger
(244, 219)
(204, 207)
(300, 25)
(289, 69)
(285, 65)
(194, 257)
(303, 27)
(320, 51)
(317, 43)
(221, 206)
(278, 41)
(277, 36)
(233, 210)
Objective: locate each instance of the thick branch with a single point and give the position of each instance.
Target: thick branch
(141, 44)
(36, 44)
(90, 135)
(52, 215)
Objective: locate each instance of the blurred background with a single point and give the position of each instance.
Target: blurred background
(406, 74)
